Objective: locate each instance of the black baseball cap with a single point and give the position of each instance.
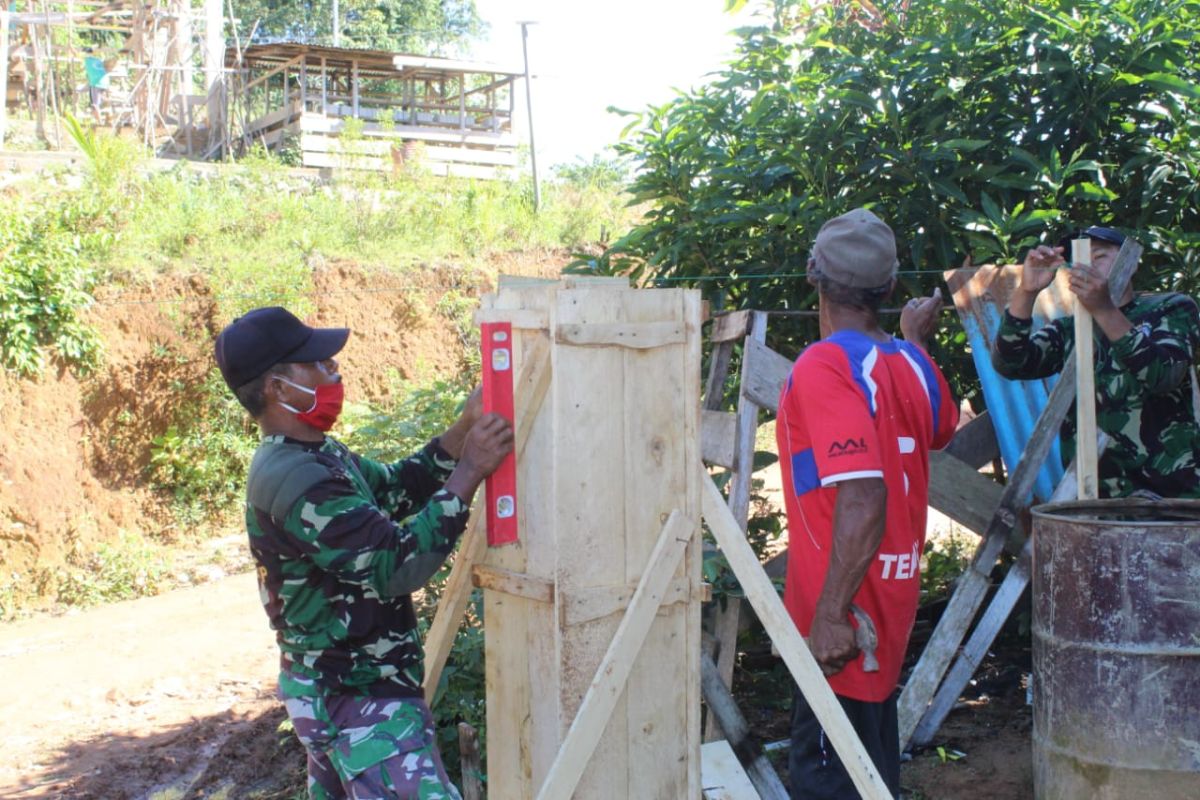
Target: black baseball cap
(264, 337)
(1111, 235)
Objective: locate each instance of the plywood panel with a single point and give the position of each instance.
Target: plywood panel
(615, 451)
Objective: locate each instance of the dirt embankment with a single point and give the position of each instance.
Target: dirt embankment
(73, 466)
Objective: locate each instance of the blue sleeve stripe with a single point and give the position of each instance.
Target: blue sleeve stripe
(804, 472)
(928, 377)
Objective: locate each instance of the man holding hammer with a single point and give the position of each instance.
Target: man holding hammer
(857, 419)
(1144, 357)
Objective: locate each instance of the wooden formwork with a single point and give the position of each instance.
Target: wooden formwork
(593, 618)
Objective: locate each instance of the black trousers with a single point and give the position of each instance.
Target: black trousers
(814, 768)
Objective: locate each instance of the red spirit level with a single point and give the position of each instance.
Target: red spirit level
(501, 485)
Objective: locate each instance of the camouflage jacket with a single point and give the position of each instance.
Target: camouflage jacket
(1143, 391)
(339, 556)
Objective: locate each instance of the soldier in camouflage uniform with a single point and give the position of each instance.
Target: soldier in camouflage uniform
(1144, 359)
(340, 542)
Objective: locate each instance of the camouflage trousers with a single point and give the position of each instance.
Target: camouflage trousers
(369, 748)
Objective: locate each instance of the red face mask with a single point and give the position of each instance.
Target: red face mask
(326, 407)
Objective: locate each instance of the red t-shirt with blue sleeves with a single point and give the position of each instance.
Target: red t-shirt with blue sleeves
(856, 408)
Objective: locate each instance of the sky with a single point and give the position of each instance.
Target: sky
(587, 55)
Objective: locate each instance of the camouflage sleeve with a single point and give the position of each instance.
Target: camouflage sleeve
(1024, 355)
(403, 487)
(344, 532)
(1158, 352)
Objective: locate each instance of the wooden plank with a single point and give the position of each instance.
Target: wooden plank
(527, 318)
(718, 371)
(272, 73)
(515, 583)
(968, 497)
(975, 443)
(722, 776)
(724, 708)
(661, 399)
(641, 336)
(767, 372)
(319, 123)
(272, 119)
(609, 681)
(694, 556)
(382, 147)
(533, 382)
(718, 437)
(972, 586)
(596, 602)
(747, 418)
(519, 635)
(761, 594)
(993, 619)
(730, 327)
(1085, 385)
(342, 161)
(727, 619)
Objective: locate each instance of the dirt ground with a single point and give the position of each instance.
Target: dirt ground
(172, 697)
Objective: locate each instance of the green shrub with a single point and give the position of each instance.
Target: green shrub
(45, 286)
(128, 568)
(944, 560)
(201, 459)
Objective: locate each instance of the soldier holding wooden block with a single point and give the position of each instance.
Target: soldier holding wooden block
(1144, 393)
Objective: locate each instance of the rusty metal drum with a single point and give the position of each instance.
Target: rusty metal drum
(1116, 650)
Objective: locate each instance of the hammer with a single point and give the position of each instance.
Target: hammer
(865, 638)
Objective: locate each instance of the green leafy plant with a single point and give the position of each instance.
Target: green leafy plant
(45, 286)
(201, 459)
(945, 558)
(125, 569)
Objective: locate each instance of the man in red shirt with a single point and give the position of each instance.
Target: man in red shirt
(857, 419)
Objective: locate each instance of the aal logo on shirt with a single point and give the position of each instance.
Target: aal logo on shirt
(847, 447)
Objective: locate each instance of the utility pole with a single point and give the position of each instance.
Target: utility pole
(337, 26)
(3, 72)
(537, 196)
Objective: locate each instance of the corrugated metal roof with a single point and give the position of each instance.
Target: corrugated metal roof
(384, 60)
(980, 297)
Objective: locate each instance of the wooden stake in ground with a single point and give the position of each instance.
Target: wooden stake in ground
(1085, 385)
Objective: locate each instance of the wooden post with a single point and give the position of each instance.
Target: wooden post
(354, 86)
(728, 618)
(469, 762)
(462, 101)
(1085, 385)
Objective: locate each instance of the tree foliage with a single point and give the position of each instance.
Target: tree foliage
(407, 26)
(974, 127)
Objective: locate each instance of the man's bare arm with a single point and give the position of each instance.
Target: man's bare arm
(858, 526)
